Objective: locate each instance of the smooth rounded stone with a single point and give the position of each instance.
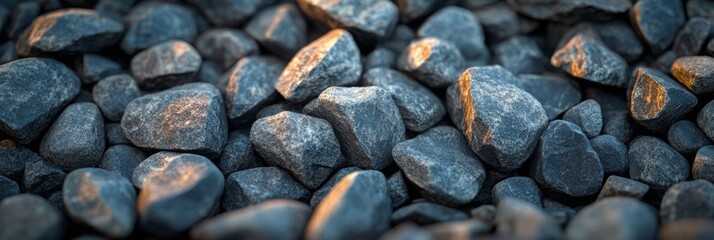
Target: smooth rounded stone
(614, 218)
(27, 216)
(500, 21)
(257, 185)
(686, 137)
(696, 73)
(571, 11)
(556, 95)
(434, 62)
(151, 23)
(658, 21)
(225, 46)
(657, 101)
(454, 107)
(518, 219)
(188, 181)
(327, 187)
(8, 188)
(76, 139)
(616, 186)
(122, 159)
(273, 219)
(188, 118)
(7, 52)
(249, 85)
(688, 199)
(358, 207)
(410, 10)
(459, 27)
(655, 163)
(403, 35)
(69, 31)
(440, 163)
(687, 228)
(113, 93)
(39, 88)
(100, 199)
(93, 67)
(485, 212)
(501, 121)
(424, 213)
(366, 121)
(114, 134)
(331, 60)
(589, 59)
(237, 154)
(612, 153)
(21, 17)
(419, 107)
(565, 162)
(406, 231)
(522, 188)
(155, 164)
(14, 156)
(520, 55)
(305, 146)
(281, 29)
(493, 177)
(165, 65)
(620, 38)
(42, 177)
(465, 229)
(380, 58)
(398, 191)
(587, 115)
(704, 119)
(703, 166)
(691, 37)
(368, 20)
(229, 13)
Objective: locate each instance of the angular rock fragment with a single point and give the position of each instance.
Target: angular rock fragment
(367, 20)
(249, 85)
(612, 153)
(398, 191)
(38, 88)
(665, 61)
(225, 46)
(459, 27)
(587, 58)
(114, 134)
(8, 188)
(686, 137)
(42, 177)
(520, 55)
(69, 31)
(331, 60)
(657, 101)
(281, 29)
(518, 219)
(556, 95)
(703, 166)
(113, 93)
(151, 23)
(691, 38)
(493, 106)
(190, 118)
(165, 65)
(655, 163)
(27, 216)
(434, 62)
(696, 73)
(327, 187)
(454, 107)
(76, 139)
(93, 67)
(522, 188)
(366, 122)
(238, 154)
(570, 11)
(100, 199)
(614, 218)
(658, 21)
(122, 159)
(22, 15)
(689, 199)
(256, 185)
(440, 163)
(500, 21)
(14, 156)
(229, 13)
(424, 213)
(695, 228)
(620, 38)
(616, 186)
(587, 115)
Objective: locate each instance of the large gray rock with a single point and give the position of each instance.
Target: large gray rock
(256, 185)
(151, 23)
(249, 86)
(614, 218)
(458, 26)
(27, 216)
(658, 21)
(368, 20)
(281, 29)
(76, 139)
(654, 162)
(657, 101)
(165, 65)
(587, 58)
(434, 62)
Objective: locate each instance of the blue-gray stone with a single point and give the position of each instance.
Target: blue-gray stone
(165, 65)
(655, 163)
(151, 23)
(27, 216)
(76, 139)
(122, 159)
(256, 185)
(113, 93)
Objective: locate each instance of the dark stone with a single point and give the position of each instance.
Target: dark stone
(210, 72)
(115, 9)
(368, 20)
(561, 215)
(238, 154)
(710, 48)
(619, 124)
(410, 10)
(56, 200)
(454, 107)
(165, 65)
(249, 86)
(692, 37)
(229, 13)
(424, 213)
(122, 159)
(39, 88)
(565, 162)
(657, 101)
(406, 231)
(257, 185)
(700, 8)
(419, 107)
(189, 181)
(587, 115)
(84, 96)
(556, 95)
(113, 93)
(696, 73)
(403, 35)
(380, 58)
(522, 188)
(520, 54)
(76, 139)
(100, 199)
(8, 188)
(620, 38)
(658, 21)
(614, 218)
(571, 11)
(92, 68)
(42, 177)
(190, 117)
(22, 16)
(358, 207)
(500, 21)
(703, 166)
(69, 31)
(688, 228)
(434, 62)
(14, 156)
(493, 106)
(114, 134)
(589, 59)
(366, 122)
(485, 213)
(273, 219)
(616, 186)
(273, 109)
(704, 119)
(518, 219)
(281, 29)
(466, 229)
(612, 153)
(655, 163)
(440, 163)
(689, 199)
(331, 60)
(665, 61)
(686, 137)
(151, 23)
(225, 46)
(459, 27)
(398, 191)
(326, 188)
(27, 216)
(7, 52)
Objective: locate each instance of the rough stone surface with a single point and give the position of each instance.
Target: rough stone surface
(42, 177)
(76, 139)
(614, 218)
(434, 62)
(151, 23)
(458, 26)
(424, 213)
(454, 106)
(33, 92)
(665, 61)
(249, 85)
(440, 163)
(93, 67)
(327, 187)
(401, 38)
(256, 185)
(210, 72)
(612, 154)
(122, 159)
(616, 186)
(492, 107)
(703, 166)
(657, 101)
(690, 199)
(368, 20)
(189, 118)
(114, 134)
(331, 60)
(520, 55)
(691, 37)
(522, 188)
(379, 58)
(570, 11)
(398, 191)
(500, 21)
(704, 119)
(414, 9)
(587, 58)
(225, 46)
(229, 13)
(100, 199)
(556, 95)
(14, 156)
(518, 219)
(27, 216)
(696, 73)
(366, 122)
(8, 188)
(658, 21)
(238, 154)
(620, 38)
(165, 65)
(688, 228)
(587, 115)
(281, 29)
(686, 137)
(113, 93)
(655, 163)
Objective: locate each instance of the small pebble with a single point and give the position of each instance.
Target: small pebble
(696, 73)
(42, 177)
(165, 65)
(93, 67)
(424, 213)
(561, 215)
(8, 188)
(27, 216)
(225, 46)
(522, 188)
(249, 85)
(76, 138)
(367, 20)
(500, 21)
(238, 154)
(459, 27)
(589, 59)
(688, 199)
(151, 23)
(414, 9)
(655, 163)
(614, 218)
(454, 106)
(210, 72)
(229, 13)
(657, 101)
(398, 191)
(616, 186)
(257, 185)
(703, 166)
(434, 62)
(113, 93)
(14, 156)
(327, 187)
(612, 153)
(122, 159)
(686, 137)
(114, 134)
(520, 55)
(281, 29)
(587, 115)
(518, 219)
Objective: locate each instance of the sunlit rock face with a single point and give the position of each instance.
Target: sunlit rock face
(165, 65)
(657, 101)
(585, 57)
(433, 62)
